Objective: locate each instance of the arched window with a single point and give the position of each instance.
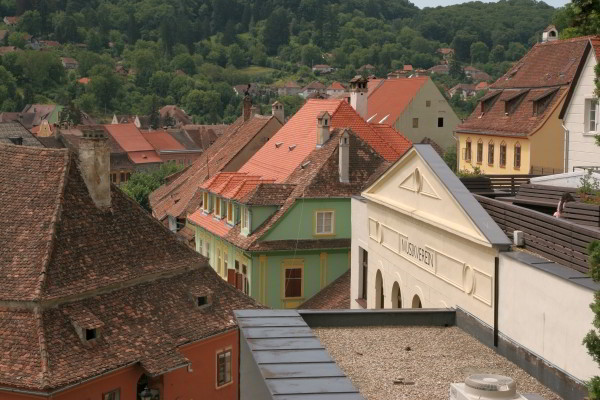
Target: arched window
(491, 152)
(479, 151)
(396, 296)
(502, 154)
(467, 150)
(517, 155)
(416, 302)
(379, 290)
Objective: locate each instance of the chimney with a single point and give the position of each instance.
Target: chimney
(94, 163)
(323, 122)
(277, 111)
(344, 162)
(550, 34)
(358, 95)
(254, 110)
(247, 107)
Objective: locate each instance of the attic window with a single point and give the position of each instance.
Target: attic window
(278, 144)
(512, 102)
(201, 301)
(91, 334)
(16, 140)
(541, 102)
(304, 165)
(292, 147)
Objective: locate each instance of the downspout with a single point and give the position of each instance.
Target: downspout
(496, 286)
(566, 155)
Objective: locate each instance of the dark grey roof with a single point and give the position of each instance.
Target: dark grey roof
(474, 210)
(14, 129)
(279, 347)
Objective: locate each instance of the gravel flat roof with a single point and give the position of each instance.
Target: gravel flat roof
(417, 362)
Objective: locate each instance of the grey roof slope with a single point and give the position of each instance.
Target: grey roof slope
(291, 360)
(15, 129)
(474, 210)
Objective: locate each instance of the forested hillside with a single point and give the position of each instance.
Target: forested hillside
(142, 54)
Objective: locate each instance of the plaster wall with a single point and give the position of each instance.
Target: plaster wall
(548, 144)
(253, 145)
(428, 117)
(360, 240)
(495, 168)
(569, 179)
(582, 147)
(546, 314)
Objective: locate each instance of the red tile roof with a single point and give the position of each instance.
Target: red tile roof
(389, 97)
(179, 196)
(393, 137)
(144, 157)
(117, 270)
(335, 296)
(129, 137)
(336, 86)
(298, 138)
(595, 41)
(209, 222)
(84, 81)
(161, 140)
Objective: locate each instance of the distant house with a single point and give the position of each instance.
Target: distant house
(49, 43)
(322, 69)
(413, 106)
(442, 69)
(465, 90)
(142, 122)
(25, 119)
(314, 87)
(481, 86)
(8, 49)
(407, 68)
(179, 116)
(447, 53)
(169, 149)
(48, 112)
(84, 81)
(476, 74)
(15, 133)
(366, 69)
(202, 136)
(3, 33)
(252, 88)
(335, 88)
(69, 63)
(290, 88)
(11, 21)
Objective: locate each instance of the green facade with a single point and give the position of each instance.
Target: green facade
(265, 270)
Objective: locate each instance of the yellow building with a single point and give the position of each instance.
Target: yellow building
(516, 128)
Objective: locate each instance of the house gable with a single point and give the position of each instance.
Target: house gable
(418, 186)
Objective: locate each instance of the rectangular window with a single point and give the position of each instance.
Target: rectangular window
(208, 250)
(517, 157)
(440, 122)
(415, 122)
(467, 155)
(229, 211)
(245, 218)
(112, 395)
(218, 207)
(113, 178)
(225, 261)
(365, 273)
(223, 368)
(293, 282)
(325, 222)
(591, 115)
(479, 153)
(200, 245)
(205, 201)
(491, 154)
(246, 285)
(427, 103)
(502, 155)
(219, 262)
(122, 176)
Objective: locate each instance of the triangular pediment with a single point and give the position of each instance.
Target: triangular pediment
(411, 186)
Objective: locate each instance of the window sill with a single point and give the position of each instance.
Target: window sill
(320, 235)
(591, 133)
(361, 302)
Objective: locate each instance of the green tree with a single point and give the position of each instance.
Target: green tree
(311, 55)
(104, 85)
(592, 339)
(160, 83)
(497, 54)
(479, 53)
(515, 51)
(236, 56)
(462, 44)
(30, 22)
(70, 115)
(141, 184)
(276, 32)
(17, 39)
(184, 62)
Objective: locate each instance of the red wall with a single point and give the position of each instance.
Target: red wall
(199, 384)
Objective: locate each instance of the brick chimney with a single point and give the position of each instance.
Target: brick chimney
(550, 34)
(323, 123)
(358, 95)
(344, 161)
(94, 163)
(278, 112)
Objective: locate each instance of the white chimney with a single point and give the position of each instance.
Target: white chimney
(277, 111)
(550, 34)
(94, 163)
(358, 95)
(323, 123)
(344, 161)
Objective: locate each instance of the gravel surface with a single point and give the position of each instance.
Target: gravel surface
(425, 359)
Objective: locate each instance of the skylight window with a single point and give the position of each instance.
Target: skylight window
(91, 334)
(292, 147)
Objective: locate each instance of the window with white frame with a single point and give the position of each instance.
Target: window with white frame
(325, 222)
(245, 218)
(200, 245)
(591, 115)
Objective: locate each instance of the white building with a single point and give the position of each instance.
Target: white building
(582, 114)
(421, 239)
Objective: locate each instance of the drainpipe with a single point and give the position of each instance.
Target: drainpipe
(496, 287)
(566, 162)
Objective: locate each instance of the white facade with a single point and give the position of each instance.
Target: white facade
(549, 325)
(582, 119)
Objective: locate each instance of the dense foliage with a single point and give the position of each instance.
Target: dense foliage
(141, 184)
(592, 339)
(191, 52)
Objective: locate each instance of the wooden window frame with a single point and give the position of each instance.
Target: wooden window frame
(316, 219)
(468, 150)
(517, 160)
(287, 264)
(205, 202)
(479, 153)
(227, 380)
(491, 150)
(502, 160)
(230, 212)
(415, 123)
(117, 391)
(218, 207)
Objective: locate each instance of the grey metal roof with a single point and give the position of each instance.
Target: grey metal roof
(476, 212)
(15, 129)
(292, 362)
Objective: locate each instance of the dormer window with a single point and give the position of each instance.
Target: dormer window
(230, 212)
(201, 301)
(205, 205)
(200, 298)
(541, 102)
(511, 103)
(218, 207)
(91, 334)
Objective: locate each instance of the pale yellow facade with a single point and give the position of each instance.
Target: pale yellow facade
(542, 152)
